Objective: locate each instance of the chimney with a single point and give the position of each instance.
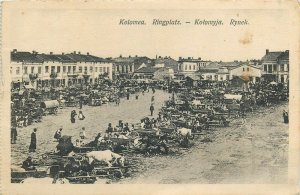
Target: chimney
(159, 57)
(51, 53)
(136, 56)
(267, 51)
(88, 53)
(287, 51)
(180, 58)
(79, 52)
(62, 53)
(189, 58)
(129, 56)
(120, 55)
(15, 50)
(199, 58)
(74, 52)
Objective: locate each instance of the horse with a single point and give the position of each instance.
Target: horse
(106, 156)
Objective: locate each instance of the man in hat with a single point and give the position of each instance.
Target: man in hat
(32, 146)
(28, 164)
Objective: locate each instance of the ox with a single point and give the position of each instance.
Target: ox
(106, 156)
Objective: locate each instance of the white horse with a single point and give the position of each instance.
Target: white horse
(106, 156)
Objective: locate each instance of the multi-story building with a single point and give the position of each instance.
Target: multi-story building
(276, 66)
(189, 66)
(57, 69)
(126, 66)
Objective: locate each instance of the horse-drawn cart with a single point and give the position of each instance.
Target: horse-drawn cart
(50, 107)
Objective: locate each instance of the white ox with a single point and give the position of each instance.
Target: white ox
(106, 156)
(45, 180)
(184, 132)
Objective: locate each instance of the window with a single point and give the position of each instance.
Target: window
(52, 68)
(74, 69)
(118, 68)
(85, 69)
(39, 70)
(265, 68)
(104, 69)
(69, 69)
(64, 69)
(270, 68)
(58, 69)
(91, 69)
(194, 67)
(227, 77)
(108, 69)
(281, 67)
(46, 69)
(96, 69)
(190, 67)
(216, 77)
(248, 69)
(243, 69)
(18, 70)
(251, 78)
(185, 67)
(275, 67)
(25, 70)
(80, 69)
(130, 69)
(101, 69)
(32, 69)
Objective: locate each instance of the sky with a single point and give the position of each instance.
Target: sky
(98, 32)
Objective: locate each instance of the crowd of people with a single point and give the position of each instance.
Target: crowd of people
(180, 110)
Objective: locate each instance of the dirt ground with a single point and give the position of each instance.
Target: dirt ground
(96, 121)
(251, 150)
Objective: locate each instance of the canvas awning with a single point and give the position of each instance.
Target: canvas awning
(28, 86)
(232, 96)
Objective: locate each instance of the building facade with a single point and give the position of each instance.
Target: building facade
(276, 66)
(189, 66)
(44, 70)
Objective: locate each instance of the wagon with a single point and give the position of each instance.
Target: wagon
(18, 176)
(50, 107)
(95, 102)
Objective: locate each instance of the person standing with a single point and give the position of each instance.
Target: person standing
(127, 95)
(81, 116)
(73, 115)
(285, 116)
(32, 146)
(14, 134)
(151, 109)
(82, 133)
